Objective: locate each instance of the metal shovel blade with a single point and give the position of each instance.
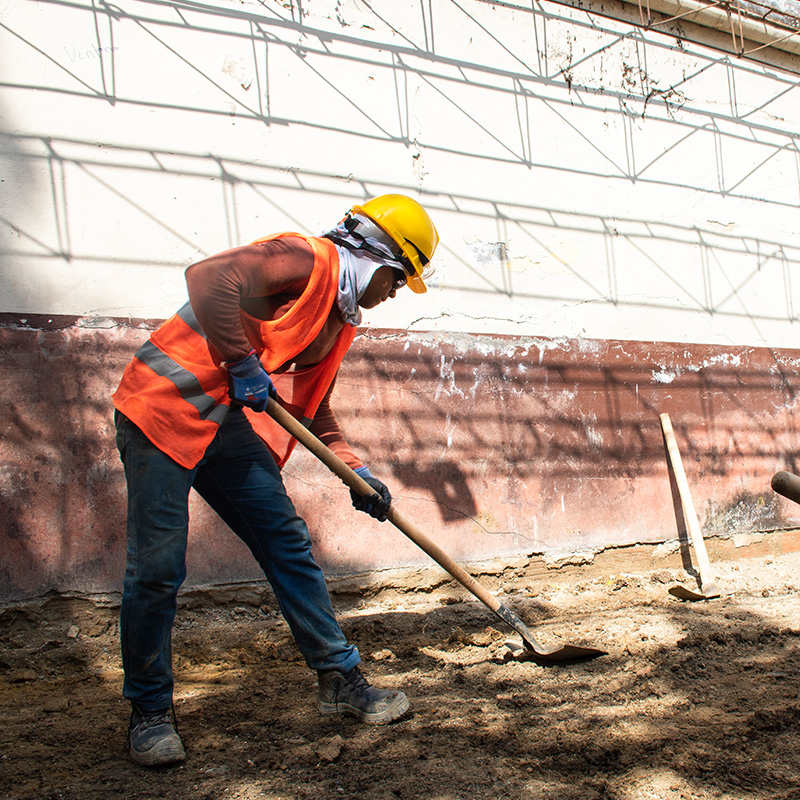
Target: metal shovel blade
(708, 591)
(533, 650)
(544, 657)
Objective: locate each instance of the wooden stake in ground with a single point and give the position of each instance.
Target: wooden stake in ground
(708, 589)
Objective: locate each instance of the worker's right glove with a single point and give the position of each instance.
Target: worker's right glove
(249, 383)
(376, 505)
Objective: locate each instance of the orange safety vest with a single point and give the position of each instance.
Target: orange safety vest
(176, 392)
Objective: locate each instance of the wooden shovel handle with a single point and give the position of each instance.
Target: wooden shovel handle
(689, 514)
(359, 485)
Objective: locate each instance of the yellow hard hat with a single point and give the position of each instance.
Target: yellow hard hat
(411, 229)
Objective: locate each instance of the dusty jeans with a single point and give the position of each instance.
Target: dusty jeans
(239, 479)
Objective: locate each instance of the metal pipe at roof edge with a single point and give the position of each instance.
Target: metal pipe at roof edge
(704, 15)
(719, 18)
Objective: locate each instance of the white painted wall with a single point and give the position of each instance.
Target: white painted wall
(588, 178)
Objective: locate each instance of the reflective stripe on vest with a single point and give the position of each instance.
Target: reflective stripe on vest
(184, 381)
(186, 313)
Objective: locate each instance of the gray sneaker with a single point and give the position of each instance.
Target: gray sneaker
(153, 740)
(350, 693)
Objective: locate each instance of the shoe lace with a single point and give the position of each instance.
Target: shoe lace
(356, 681)
(149, 719)
(153, 718)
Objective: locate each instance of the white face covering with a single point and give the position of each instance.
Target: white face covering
(356, 269)
(357, 264)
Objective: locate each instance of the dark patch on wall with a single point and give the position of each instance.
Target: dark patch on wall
(745, 512)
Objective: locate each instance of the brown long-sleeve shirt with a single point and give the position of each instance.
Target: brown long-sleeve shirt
(264, 280)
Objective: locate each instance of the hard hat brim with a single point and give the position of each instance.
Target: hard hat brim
(416, 284)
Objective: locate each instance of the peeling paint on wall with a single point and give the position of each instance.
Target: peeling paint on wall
(562, 457)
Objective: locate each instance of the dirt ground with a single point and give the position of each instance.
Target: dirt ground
(693, 700)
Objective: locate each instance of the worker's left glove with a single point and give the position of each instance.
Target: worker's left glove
(249, 383)
(376, 505)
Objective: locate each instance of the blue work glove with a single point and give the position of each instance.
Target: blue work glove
(376, 505)
(249, 383)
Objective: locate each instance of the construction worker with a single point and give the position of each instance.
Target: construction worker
(273, 318)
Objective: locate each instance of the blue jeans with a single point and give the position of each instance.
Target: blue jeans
(239, 479)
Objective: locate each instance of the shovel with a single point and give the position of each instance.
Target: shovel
(533, 650)
(708, 589)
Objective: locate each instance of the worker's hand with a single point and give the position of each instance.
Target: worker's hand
(376, 505)
(249, 383)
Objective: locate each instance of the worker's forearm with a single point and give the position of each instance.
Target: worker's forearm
(326, 429)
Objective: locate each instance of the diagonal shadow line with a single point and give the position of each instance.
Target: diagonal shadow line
(735, 293)
(430, 41)
(201, 7)
(617, 38)
(396, 31)
(229, 206)
(473, 270)
(212, 112)
(399, 65)
(719, 157)
(200, 72)
(563, 301)
(213, 9)
(30, 237)
(205, 8)
(676, 144)
(94, 92)
(557, 218)
(516, 156)
(183, 19)
(257, 114)
(316, 125)
(600, 294)
(416, 53)
(763, 259)
(629, 236)
(620, 38)
(494, 38)
(670, 277)
(141, 209)
(769, 102)
(517, 320)
(300, 226)
(540, 47)
(257, 72)
(263, 4)
(788, 292)
(775, 153)
(87, 259)
(524, 124)
(350, 102)
(701, 70)
(622, 173)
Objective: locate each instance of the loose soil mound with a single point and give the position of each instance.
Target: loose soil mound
(694, 700)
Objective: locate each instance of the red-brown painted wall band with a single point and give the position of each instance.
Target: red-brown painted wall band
(493, 445)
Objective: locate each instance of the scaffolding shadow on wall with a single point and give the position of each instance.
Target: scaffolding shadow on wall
(718, 293)
(178, 30)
